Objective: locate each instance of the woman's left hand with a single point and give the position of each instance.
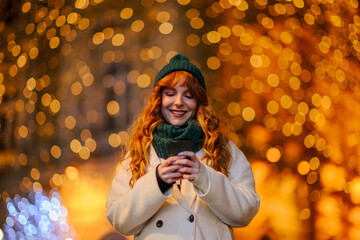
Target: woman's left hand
(190, 165)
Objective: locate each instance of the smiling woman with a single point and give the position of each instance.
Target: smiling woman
(215, 184)
(178, 104)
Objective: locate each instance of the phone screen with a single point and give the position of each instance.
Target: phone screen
(177, 146)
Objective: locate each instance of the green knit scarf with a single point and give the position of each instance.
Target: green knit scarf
(164, 132)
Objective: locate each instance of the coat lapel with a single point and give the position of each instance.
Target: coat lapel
(177, 195)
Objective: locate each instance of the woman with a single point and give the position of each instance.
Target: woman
(214, 184)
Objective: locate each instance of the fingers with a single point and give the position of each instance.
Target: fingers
(183, 166)
(191, 167)
(168, 171)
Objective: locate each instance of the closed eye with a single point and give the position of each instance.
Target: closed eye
(169, 93)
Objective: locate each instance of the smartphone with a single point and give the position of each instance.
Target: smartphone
(177, 146)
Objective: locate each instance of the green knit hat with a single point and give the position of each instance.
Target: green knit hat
(180, 63)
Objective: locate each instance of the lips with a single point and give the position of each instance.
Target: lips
(178, 113)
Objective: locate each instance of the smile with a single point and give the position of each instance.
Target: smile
(178, 113)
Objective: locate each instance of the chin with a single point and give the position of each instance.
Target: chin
(178, 123)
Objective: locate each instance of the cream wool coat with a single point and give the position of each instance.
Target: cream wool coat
(204, 209)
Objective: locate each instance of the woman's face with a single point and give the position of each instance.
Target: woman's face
(177, 104)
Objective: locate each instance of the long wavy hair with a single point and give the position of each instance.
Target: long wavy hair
(215, 142)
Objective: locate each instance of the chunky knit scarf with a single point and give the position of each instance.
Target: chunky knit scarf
(164, 132)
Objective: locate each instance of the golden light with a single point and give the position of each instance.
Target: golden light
(248, 114)
(55, 151)
(236, 81)
(272, 107)
(256, 61)
(118, 39)
(72, 172)
(273, 155)
(124, 137)
(273, 80)
(165, 28)
(40, 117)
(234, 108)
(55, 106)
(355, 190)
(98, 38)
(87, 79)
(23, 131)
(143, 80)
(114, 140)
(183, 2)
(75, 146)
(163, 16)
(76, 88)
(126, 13)
(35, 174)
(54, 42)
(332, 177)
(72, 18)
(213, 63)
(246, 39)
(46, 99)
(305, 214)
(193, 40)
(70, 122)
(81, 4)
(83, 23)
(214, 37)
(84, 153)
(196, 23)
(137, 26)
(113, 108)
(90, 144)
(303, 167)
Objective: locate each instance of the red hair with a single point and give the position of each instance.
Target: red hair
(215, 142)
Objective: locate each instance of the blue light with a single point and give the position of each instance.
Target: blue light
(36, 217)
(32, 229)
(9, 221)
(64, 211)
(11, 208)
(53, 216)
(22, 219)
(32, 210)
(43, 226)
(46, 205)
(55, 203)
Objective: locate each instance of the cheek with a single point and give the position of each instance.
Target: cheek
(165, 102)
(192, 104)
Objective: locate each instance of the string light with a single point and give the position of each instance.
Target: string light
(37, 216)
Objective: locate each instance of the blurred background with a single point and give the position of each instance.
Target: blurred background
(74, 75)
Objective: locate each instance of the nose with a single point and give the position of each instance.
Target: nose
(178, 100)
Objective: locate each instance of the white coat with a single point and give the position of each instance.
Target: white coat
(202, 211)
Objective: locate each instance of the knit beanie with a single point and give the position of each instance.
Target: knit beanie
(181, 63)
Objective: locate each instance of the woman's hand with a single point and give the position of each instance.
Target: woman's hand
(189, 165)
(168, 171)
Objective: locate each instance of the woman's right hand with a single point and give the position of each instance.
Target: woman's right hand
(168, 171)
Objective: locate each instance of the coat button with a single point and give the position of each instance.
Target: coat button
(159, 223)
(191, 218)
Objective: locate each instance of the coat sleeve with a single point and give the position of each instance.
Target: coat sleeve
(129, 209)
(233, 199)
